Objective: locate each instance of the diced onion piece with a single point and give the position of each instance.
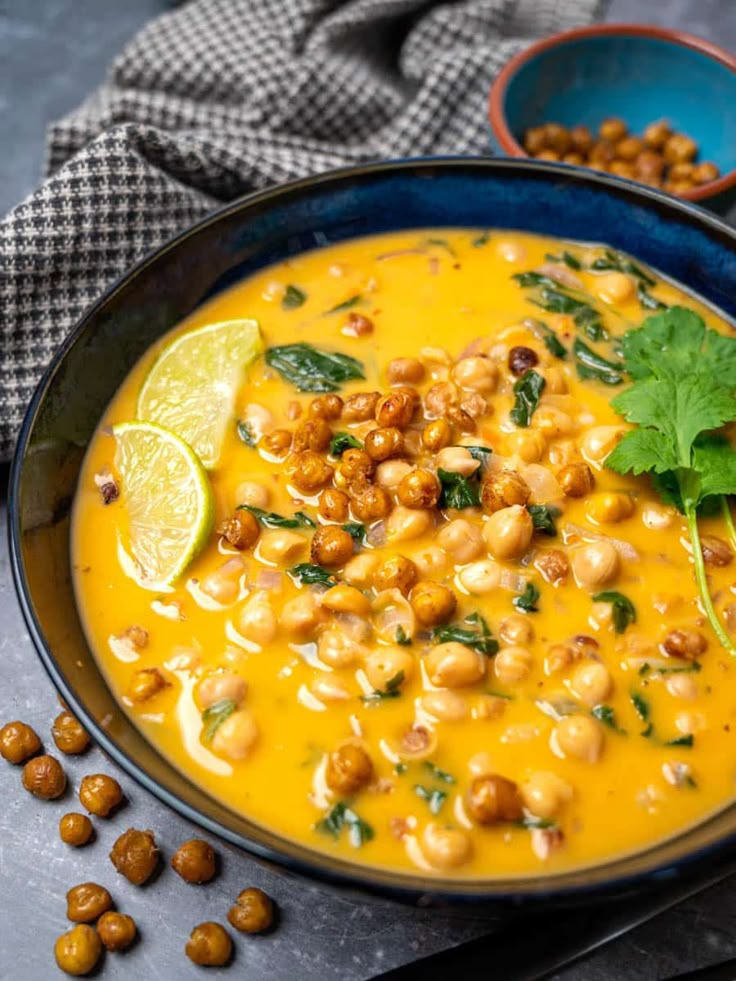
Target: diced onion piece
(392, 610)
(571, 531)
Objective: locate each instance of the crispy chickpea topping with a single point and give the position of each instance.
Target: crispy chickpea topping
(18, 742)
(44, 777)
(75, 829)
(312, 434)
(502, 489)
(195, 861)
(359, 407)
(69, 735)
(210, 945)
(78, 951)
(436, 435)
(685, 643)
(395, 409)
(348, 770)
(521, 359)
(135, 855)
(308, 471)
(329, 407)
(396, 572)
(331, 546)
(145, 684)
(100, 794)
(370, 504)
(334, 504)
(432, 603)
(419, 489)
(493, 798)
(87, 902)
(253, 912)
(576, 479)
(384, 443)
(117, 931)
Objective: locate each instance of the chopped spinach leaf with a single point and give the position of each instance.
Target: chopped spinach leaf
(355, 530)
(434, 798)
(526, 279)
(441, 243)
(535, 823)
(686, 741)
(620, 262)
(592, 365)
(543, 518)
(344, 441)
(309, 574)
(271, 520)
(401, 637)
(341, 816)
(565, 257)
(528, 391)
(527, 601)
(442, 775)
(589, 321)
(392, 689)
(245, 432)
(481, 454)
(623, 611)
(551, 341)
(311, 370)
(648, 732)
(648, 301)
(348, 304)
(293, 298)
(691, 668)
(458, 491)
(607, 715)
(641, 706)
(305, 520)
(474, 632)
(401, 768)
(215, 715)
(483, 239)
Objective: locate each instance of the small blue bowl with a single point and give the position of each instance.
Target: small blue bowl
(637, 72)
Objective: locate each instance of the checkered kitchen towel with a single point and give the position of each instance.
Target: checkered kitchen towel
(224, 96)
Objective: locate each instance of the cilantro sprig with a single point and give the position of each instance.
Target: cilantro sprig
(684, 379)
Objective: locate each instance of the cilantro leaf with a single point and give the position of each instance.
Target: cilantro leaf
(528, 391)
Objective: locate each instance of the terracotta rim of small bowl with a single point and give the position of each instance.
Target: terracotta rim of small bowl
(497, 114)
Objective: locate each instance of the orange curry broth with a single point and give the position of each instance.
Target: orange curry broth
(441, 296)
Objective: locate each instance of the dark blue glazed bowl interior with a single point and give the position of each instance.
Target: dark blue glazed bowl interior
(676, 238)
(640, 79)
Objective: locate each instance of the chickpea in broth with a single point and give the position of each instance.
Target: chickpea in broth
(448, 627)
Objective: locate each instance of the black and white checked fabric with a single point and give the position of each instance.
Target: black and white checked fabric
(224, 96)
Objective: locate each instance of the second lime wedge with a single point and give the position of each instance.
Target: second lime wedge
(192, 385)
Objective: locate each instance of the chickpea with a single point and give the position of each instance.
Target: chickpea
(371, 504)
(145, 684)
(437, 435)
(78, 951)
(277, 443)
(615, 287)
(682, 686)
(649, 166)
(481, 577)
(432, 603)
(622, 169)
(431, 562)
(440, 399)
(601, 153)
(557, 137)
(252, 493)
(559, 657)
(535, 140)
(553, 565)
(331, 546)
(419, 489)
(463, 420)
(135, 855)
(599, 441)
(678, 187)
(574, 158)
(386, 664)
(334, 505)
(503, 489)
(359, 570)
(462, 540)
(69, 735)
(395, 409)
(346, 599)
(529, 444)
(86, 902)
(612, 129)
(581, 138)
(396, 572)
(446, 848)
(221, 685)
(384, 443)
(516, 629)
(253, 912)
(336, 649)
(576, 479)
(75, 829)
(544, 794)
(99, 794)
(447, 706)
(453, 665)
(512, 664)
(405, 524)
(195, 861)
(312, 434)
(457, 459)
(117, 931)
(679, 149)
(685, 643)
(18, 742)
(44, 777)
(595, 564)
(610, 507)
(355, 467)
(681, 172)
(209, 944)
(579, 736)
(716, 552)
(302, 615)
(479, 374)
(556, 380)
(390, 473)
(361, 406)
(591, 683)
(308, 471)
(280, 545)
(349, 769)
(221, 585)
(492, 799)
(508, 532)
(521, 359)
(657, 134)
(327, 407)
(629, 148)
(257, 620)
(706, 172)
(241, 530)
(236, 736)
(548, 155)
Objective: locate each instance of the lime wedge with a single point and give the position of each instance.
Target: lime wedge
(167, 496)
(191, 387)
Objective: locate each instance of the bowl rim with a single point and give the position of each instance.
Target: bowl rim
(568, 887)
(499, 87)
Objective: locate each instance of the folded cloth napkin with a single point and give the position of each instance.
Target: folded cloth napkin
(225, 96)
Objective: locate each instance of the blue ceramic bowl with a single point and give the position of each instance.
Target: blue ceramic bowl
(680, 240)
(637, 72)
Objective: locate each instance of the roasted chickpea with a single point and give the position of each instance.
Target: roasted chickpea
(253, 912)
(629, 148)
(535, 140)
(356, 467)
(312, 434)
(656, 134)
(236, 736)
(557, 137)
(327, 407)
(461, 418)
(453, 665)
(492, 799)
(75, 829)
(78, 951)
(503, 489)
(346, 599)
(508, 532)
(145, 684)
(591, 683)
(716, 552)
(69, 735)
(384, 443)
(548, 155)
(612, 129)
(396, 572)
(195, 861)
(86, 902)
(512, 664)
(476, 373)
(432, 603)
(334, 504)
(679, 149)
(209, 944)
(575, 158)
(331, 546)
(446, 848)
(706, 172)
(516, 629)
(277, 443)
(544, 794)
(521, 359)
(576, 479)
(406, 524)
(100, 794)
(681, 172)
(361, 406)
(349, 769)
(685, 643)
(419, 489)
(649, 166)
(44, 777)
(401, 371)
(308, 471)
(579, 736)
(437, 435)
(395, 409)
(241, 530)
(135, 855)
(18, 742)
(388, 664)
(371, 503)
(117, 931)
(581, 138)
(595, 564)
(553, 564)
(440, 399)
(622, 168)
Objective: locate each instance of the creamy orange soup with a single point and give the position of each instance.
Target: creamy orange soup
(450, 697)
